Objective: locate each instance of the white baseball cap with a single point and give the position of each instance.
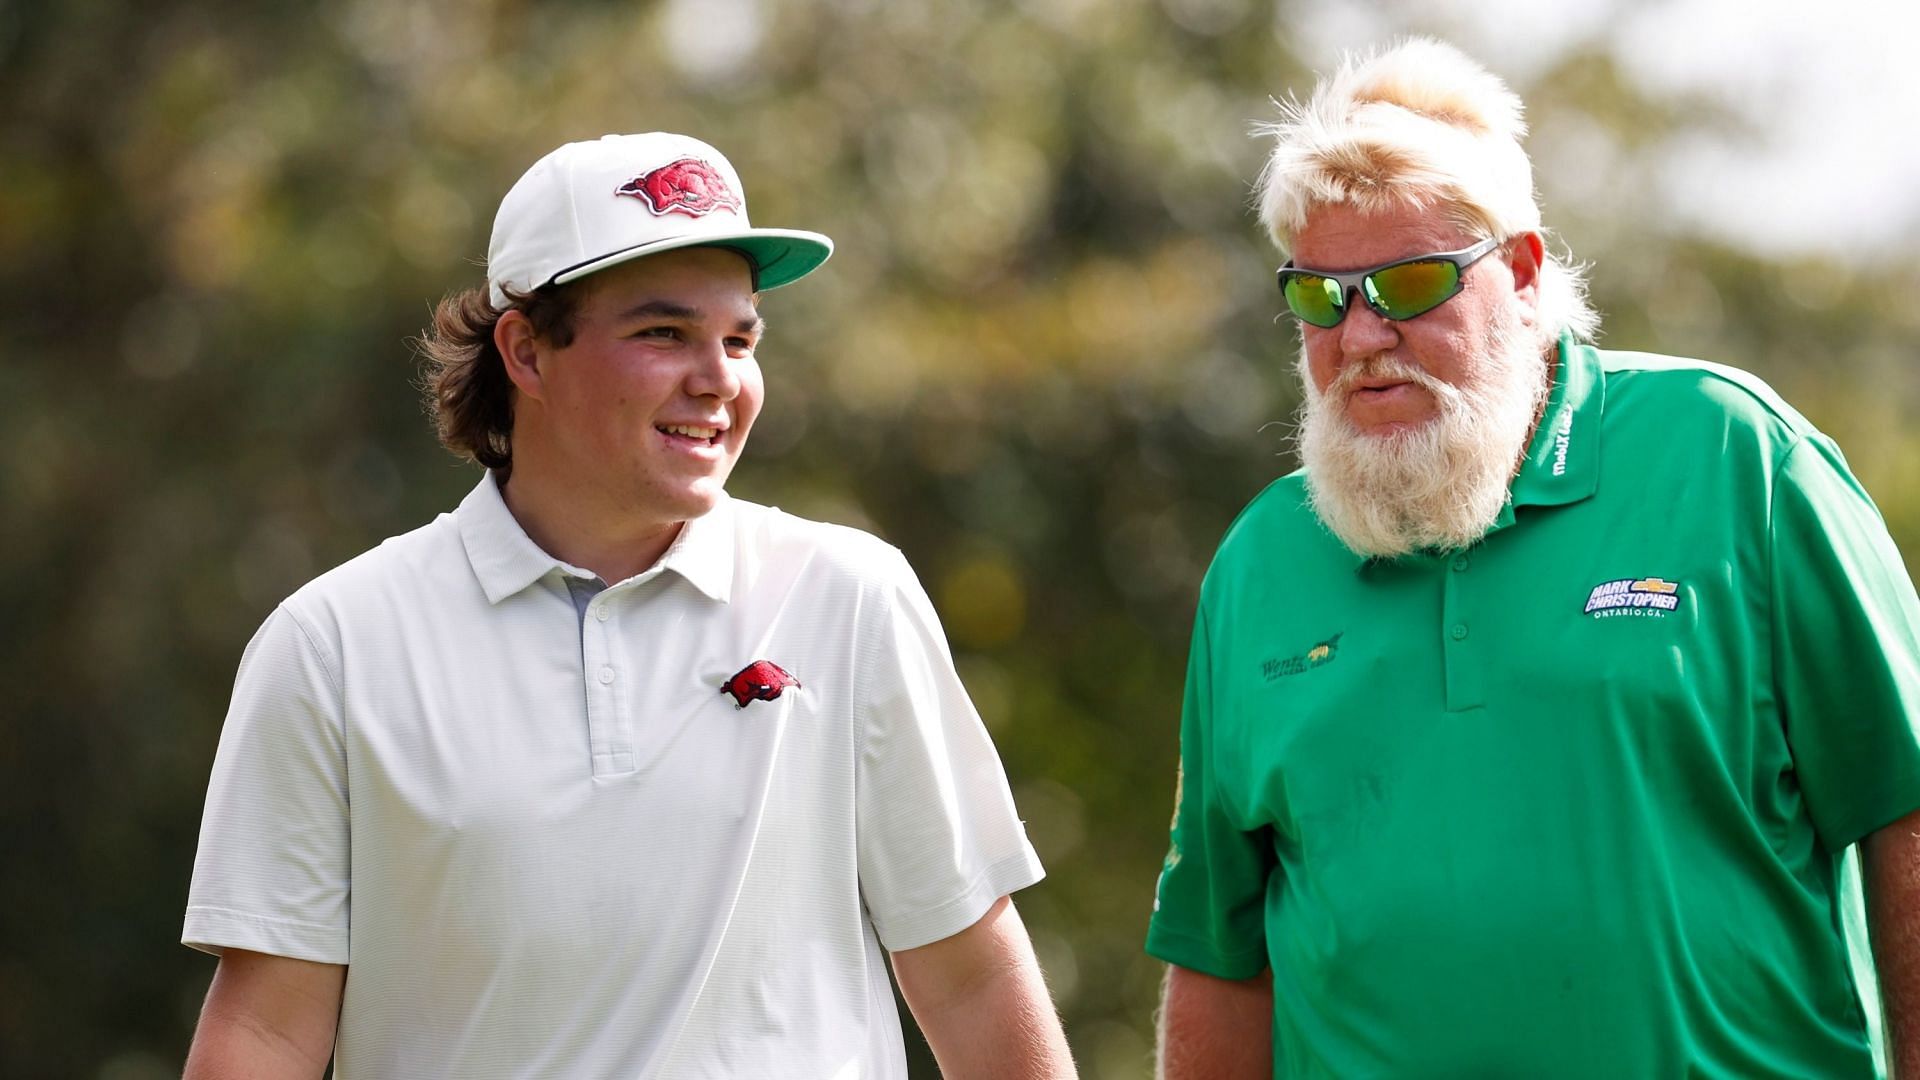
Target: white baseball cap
(591, 205)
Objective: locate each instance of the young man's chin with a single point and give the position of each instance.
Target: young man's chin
(696, 501)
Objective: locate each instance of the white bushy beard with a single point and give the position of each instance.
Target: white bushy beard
(1441, 485)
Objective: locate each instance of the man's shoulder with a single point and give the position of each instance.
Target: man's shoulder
(399, 568)
(1666, 390)
(1278, 526)
(1280, 512)
(772, 538)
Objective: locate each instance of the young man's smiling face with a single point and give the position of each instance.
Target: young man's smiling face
(649, 406)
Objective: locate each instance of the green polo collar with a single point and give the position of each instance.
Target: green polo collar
(1563, 460)
(1563, 463)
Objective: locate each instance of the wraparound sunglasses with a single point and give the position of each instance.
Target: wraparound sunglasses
(1396, 290)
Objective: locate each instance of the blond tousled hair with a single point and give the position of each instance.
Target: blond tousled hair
(1418, 124)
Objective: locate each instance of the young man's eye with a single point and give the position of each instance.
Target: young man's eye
(661, 333)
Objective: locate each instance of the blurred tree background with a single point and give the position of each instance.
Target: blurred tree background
(1045, 362)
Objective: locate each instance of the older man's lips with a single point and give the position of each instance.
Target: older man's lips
(1381, 405)
(1381, 389)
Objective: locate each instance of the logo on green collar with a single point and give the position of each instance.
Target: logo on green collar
(1322, 654)
(1562, 440)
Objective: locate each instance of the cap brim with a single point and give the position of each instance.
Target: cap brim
(780, 256)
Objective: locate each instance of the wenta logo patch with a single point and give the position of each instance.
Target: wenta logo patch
(1633, 596)
(1279, 667)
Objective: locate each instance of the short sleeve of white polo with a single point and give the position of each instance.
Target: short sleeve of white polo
(939, 839)
(272, 870)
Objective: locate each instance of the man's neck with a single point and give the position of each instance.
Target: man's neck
(575, 528)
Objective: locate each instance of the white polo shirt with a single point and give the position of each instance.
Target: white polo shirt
(546, 842)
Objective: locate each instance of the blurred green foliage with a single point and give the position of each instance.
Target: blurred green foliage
(1044, 363)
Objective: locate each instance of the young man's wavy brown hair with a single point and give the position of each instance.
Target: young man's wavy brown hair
(464, 381)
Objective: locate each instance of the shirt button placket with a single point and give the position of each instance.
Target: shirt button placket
(1457, 616)
(611, 749)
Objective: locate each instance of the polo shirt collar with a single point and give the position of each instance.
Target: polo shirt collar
(1563, 462)
(506, 560)
(1562, 465)
(703, 552)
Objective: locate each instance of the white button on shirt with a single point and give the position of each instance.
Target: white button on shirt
(553, 846)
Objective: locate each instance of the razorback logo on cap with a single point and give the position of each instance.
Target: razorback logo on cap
(762, 680)
(688, 186)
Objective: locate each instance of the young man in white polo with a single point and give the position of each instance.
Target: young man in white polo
(606, 774)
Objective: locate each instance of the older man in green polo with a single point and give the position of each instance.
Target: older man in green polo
(1531, 727)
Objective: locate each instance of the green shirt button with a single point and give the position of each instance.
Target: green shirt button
(1459, 631)
(1460, 562)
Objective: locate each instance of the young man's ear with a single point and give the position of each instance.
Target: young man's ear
(520, 351)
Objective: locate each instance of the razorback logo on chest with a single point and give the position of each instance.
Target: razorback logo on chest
(762, 680)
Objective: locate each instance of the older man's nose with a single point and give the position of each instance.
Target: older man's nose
(1364, 332)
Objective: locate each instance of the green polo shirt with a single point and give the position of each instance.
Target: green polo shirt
(1571, 802)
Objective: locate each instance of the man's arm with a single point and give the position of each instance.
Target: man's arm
(982, 1004)
(1892, 873)
(267, 1018)
(1216, 1029)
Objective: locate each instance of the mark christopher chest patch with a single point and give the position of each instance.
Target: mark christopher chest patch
(1649, 596)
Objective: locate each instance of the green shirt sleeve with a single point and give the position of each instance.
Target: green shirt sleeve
(1846, 647)
(1209, 906)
